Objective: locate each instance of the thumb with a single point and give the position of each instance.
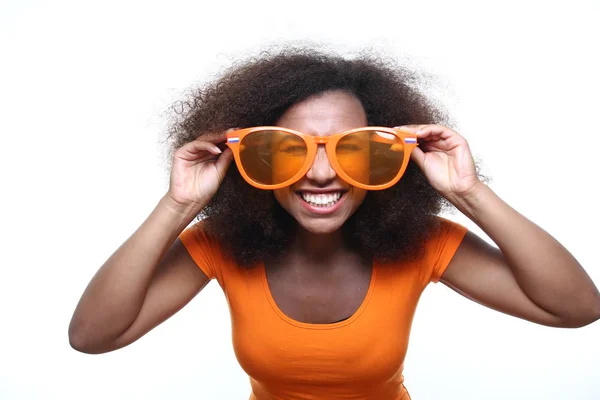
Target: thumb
(223, 162)
(418, 156)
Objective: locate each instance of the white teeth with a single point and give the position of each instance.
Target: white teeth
(321, 200)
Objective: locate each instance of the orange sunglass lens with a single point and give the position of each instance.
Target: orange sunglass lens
(271, 157)
(370, 157)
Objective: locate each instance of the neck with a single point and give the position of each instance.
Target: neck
(319, 248)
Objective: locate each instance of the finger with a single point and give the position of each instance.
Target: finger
(210, 137)
(435, 132)
(426, 147)
(224, 162)
(194, 150)
(410, 128)
(418, 156)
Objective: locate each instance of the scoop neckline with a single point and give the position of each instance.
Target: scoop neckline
(307, 325)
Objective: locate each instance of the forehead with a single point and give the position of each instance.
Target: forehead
(325, 114)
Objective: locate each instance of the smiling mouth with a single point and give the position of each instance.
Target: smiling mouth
(321, 200)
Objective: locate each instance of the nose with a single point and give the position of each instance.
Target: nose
(321, 171)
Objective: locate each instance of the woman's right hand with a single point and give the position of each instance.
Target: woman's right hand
(198, 170)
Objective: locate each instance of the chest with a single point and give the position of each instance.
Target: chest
(275, 346)
(319, 298)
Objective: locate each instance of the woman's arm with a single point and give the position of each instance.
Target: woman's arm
(148, 279)
(530, 274)
(151, 276)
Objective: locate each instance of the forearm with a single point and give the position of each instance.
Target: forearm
(115, 295)
(548, 274)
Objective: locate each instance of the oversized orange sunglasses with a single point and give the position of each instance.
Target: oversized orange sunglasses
(271, 157)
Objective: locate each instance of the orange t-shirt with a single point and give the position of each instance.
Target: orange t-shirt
(358, 358)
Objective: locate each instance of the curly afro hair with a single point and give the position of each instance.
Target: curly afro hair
(391, 225)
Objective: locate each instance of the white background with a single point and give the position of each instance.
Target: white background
(84, 90)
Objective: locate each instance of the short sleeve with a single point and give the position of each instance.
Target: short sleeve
(203, 250)
(442, 247)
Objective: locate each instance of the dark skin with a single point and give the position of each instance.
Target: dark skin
(320, 280)
(319, 290)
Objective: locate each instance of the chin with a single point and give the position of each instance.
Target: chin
(322, 227)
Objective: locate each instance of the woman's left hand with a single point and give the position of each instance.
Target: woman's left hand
(445, 159)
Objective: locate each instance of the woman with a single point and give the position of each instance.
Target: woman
(325, 231)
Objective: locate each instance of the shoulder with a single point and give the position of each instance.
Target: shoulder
(207, 252)
(441, 246)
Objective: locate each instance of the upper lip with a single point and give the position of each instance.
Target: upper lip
(321, 191)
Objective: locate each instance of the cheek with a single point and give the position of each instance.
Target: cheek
(288, 153)
(286, 166)
(282, 196)
(356, 165)
(353, 154)
(358, 196)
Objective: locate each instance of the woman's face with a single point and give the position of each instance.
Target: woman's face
(321, 202)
